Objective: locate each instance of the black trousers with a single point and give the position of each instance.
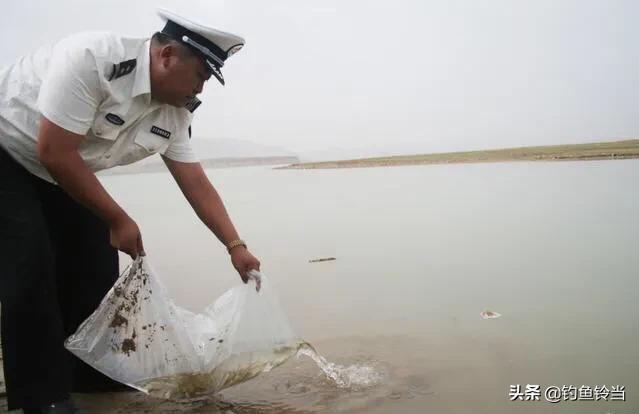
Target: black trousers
(56, 264)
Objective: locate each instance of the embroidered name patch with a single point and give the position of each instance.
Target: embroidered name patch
(161, 132)
(114, 119)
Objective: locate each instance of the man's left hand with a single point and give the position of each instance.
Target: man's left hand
(243, 261)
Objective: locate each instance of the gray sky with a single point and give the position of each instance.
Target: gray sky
(392, 77)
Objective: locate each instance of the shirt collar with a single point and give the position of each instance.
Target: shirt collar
(142, 82)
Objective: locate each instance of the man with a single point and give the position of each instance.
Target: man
(92, 101)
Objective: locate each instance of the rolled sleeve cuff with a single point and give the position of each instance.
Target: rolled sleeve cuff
(181, 154)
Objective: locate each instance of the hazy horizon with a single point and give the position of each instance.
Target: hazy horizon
(392, 78)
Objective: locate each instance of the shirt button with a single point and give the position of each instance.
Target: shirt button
(98, 132)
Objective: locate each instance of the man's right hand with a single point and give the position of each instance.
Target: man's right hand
(58, 153)
(126, 236)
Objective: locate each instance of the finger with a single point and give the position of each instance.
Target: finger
(113, 241)
(244, 276)
(253, 265)
(140, 246)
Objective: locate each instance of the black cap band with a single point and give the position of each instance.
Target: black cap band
(177, 32)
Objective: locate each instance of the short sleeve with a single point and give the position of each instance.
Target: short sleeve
(71, 91)
(180, 149)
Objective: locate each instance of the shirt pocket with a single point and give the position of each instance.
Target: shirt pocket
(107, 126)
(150, 142)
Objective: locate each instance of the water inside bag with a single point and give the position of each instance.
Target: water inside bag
(139, 337)
(184, 387)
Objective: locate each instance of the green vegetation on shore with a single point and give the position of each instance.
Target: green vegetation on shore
(592, 151)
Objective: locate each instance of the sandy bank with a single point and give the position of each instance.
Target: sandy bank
(577, 152)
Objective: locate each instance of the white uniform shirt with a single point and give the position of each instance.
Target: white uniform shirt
(94, 84)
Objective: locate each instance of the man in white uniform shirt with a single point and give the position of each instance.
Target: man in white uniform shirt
(90, 102)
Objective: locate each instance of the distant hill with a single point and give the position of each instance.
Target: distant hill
(157, 165)
(217, 153)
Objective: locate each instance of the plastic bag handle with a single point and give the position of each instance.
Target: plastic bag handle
(257, 277)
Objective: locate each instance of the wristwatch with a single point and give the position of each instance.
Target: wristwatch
(235, 243)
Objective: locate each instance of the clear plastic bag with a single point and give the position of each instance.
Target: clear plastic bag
(139, 337)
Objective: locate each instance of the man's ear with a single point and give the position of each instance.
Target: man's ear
(165, 54)
(167, 51)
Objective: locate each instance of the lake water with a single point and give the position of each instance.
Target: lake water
(421, 251)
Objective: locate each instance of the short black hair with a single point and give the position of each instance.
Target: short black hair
(161, 38)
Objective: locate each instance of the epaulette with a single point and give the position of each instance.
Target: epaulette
(193, 104)
(122, 69)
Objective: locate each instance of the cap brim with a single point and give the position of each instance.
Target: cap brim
(215, 70)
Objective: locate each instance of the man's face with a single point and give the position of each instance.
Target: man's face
(183, 75)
